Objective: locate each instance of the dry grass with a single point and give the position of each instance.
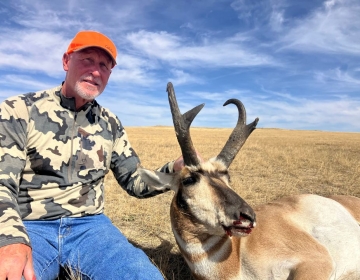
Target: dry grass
(272, 163)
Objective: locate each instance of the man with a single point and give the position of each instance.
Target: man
(56, 147)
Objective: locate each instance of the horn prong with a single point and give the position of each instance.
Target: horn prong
(182, 124)
(238, 136)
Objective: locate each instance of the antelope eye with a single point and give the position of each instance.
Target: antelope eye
(188, 181)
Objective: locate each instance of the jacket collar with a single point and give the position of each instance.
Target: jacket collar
(91, 109)
(69, 102)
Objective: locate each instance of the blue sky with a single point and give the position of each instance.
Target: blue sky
(294, 64)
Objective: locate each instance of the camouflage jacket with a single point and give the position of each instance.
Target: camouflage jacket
(54, 160)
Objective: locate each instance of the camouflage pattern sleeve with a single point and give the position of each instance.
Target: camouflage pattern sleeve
(13, 126)
(124, 164)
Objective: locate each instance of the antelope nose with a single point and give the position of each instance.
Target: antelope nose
(249, 216)
(248, 213)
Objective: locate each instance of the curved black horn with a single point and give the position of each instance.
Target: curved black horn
(239, 135)
(182, 126)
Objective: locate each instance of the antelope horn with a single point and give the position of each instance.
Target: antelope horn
(182, 127)
(239, 135)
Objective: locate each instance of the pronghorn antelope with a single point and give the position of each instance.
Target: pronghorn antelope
(303, 237)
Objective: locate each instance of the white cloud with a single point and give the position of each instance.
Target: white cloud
(330, 3)
(180, 77)
(178, 51)
(332, 28)
(335, 113)
(220, 97)
(32, 50)
(248, 9)
(69, 15)
(264, 15)
(132, 76)
(277, 20)
(24, 82)
(216, 50)
(339, 80)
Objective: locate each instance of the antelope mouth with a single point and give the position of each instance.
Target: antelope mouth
(240, 228)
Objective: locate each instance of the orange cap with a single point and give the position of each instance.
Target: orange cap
(87, 39)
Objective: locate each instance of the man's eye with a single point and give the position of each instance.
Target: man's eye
(104, 67)
(87, 61)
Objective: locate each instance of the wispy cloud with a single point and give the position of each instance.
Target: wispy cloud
(339, 80)
(331, 28)
(180, 51)
(180, 77)
(32, 50)
(24, 81)
(292, 63)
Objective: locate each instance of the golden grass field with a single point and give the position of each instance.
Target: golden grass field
(272, 163)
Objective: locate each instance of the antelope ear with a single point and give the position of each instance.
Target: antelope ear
(157, 180)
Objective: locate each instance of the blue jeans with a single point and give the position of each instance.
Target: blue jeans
(90, 246)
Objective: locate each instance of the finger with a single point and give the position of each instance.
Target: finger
(11, 270)
(14, 275)
(29, 273)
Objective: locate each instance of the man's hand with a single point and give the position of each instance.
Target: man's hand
(15, 261)
(179, 162)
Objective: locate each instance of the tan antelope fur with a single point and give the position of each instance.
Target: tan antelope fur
(303, 237)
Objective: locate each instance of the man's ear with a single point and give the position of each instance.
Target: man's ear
(65, 60)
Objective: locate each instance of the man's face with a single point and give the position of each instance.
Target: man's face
(88, 72)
